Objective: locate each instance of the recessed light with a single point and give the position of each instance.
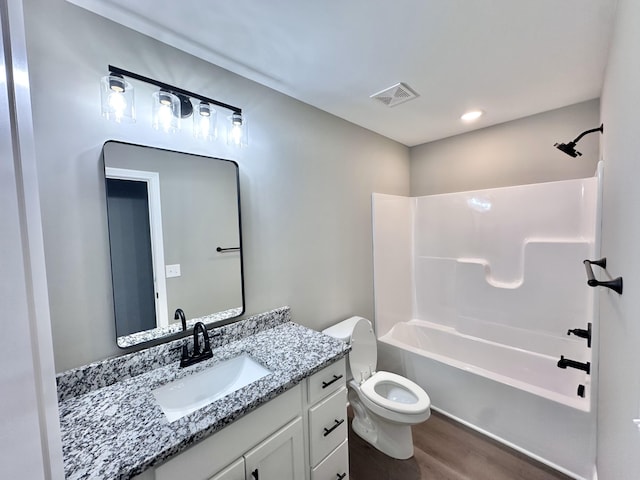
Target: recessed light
(472, 115)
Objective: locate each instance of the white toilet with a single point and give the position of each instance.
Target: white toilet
(385, 405)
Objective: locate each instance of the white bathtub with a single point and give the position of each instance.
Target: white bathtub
(529, 371)
(517, 397)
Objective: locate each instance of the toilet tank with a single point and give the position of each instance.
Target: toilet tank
(343, 329)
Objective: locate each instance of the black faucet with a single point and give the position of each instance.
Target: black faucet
(565, 362)
(198, 355)
(180, 315)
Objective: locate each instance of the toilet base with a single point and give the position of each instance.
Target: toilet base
(392, 439)
(395, 441)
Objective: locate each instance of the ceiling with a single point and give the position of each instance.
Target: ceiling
(509, 58)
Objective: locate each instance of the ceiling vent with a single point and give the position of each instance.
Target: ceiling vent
(392, 96)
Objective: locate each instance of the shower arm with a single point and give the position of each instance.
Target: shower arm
(586, 132)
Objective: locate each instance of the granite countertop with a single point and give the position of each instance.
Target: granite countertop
(118, 431)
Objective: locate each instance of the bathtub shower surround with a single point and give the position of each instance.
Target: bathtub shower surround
(502, 269)
(475, 293)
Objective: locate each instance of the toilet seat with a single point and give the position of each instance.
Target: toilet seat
(411, 398)
(384, 390)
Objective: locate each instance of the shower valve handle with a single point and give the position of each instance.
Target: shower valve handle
(582, 333)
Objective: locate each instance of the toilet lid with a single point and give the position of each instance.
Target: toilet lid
(363, 357)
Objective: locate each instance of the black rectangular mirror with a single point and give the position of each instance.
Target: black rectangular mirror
(175, 240)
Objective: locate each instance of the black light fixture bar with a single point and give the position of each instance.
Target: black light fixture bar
(172, 89)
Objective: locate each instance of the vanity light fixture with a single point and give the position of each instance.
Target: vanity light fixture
(116, 98)
(166, 111)
(237, 133)
(471, 115)
(170, 105)
(204, 121)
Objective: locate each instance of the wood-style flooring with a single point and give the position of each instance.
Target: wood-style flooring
(446, 450)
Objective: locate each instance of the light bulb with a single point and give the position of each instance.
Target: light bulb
(164, 117)
(236, 134)
(237, 130)
(204, 122)
(117, 104)
(166, 111)
(117, 99)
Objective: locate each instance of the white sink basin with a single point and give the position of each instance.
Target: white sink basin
(188, 394)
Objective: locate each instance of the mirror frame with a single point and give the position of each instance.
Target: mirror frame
(174, 330)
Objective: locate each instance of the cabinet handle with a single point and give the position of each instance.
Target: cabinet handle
(255, 474)
(327, 431)
(335, 379)
(341, 475)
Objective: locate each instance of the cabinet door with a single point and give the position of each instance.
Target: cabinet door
(279, 457)
(235, 471)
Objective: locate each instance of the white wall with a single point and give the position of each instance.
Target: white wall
(29, 426)
(513, 153)
(306, 180)
(619, 401)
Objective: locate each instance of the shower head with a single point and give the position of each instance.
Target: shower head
(570, 148)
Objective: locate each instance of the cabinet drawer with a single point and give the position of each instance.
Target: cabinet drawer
(335, 466)
(326, 381)
(327, 425)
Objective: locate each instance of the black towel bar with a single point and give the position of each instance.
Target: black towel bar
(615, 284)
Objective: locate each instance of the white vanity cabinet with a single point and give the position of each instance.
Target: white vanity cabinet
(299, 435)
(271, 434)
(326, 409)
